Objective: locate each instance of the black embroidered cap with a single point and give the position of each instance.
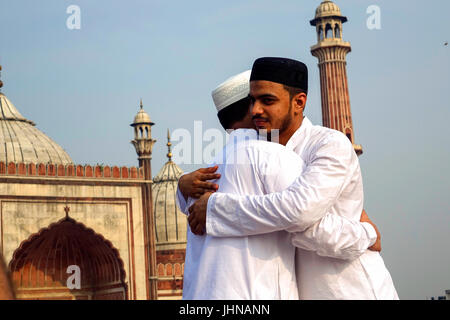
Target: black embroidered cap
(289, 72)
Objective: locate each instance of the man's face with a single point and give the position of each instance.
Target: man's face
(271, 107)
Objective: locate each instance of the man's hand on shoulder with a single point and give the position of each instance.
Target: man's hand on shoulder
(197, 214)
(195, 184)
(377, 245)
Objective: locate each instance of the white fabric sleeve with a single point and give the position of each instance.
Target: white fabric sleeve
(181, 201)
(337, 237)
(295, 209)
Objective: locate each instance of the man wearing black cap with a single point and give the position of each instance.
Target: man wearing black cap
(331, 181)
(257, 266)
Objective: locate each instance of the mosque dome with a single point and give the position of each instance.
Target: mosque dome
(23, 142)
(170, 222)
(142, 117)
(328, 9)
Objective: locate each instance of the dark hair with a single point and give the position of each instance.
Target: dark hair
(293, 91)
(233, 113)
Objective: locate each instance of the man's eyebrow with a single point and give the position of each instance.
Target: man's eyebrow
(266, 95)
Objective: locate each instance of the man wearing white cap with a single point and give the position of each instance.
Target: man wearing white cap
(253, 267)
(256, 266)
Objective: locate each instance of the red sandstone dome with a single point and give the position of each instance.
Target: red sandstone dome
(40, 265)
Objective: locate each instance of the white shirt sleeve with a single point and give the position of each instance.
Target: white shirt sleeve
(295, 209)
(337, 237)
(181, 201)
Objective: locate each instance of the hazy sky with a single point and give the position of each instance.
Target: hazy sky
(82, 88)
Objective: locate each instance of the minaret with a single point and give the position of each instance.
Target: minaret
(331, 50)
(143, 143)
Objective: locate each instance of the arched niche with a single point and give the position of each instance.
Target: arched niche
(337, 31)
(328, 31)
(40, 265)
(320, 34)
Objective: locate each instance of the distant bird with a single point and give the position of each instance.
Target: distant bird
(446, 43)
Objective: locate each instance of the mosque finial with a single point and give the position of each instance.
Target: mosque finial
(141, 104)
(169, 145)
(67, 209)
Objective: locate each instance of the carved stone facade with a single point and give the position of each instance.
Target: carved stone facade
(59, 220)
(105, 211)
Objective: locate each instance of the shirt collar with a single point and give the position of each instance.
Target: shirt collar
(300, 135)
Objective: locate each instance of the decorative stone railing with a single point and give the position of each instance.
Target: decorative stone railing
(70, 171)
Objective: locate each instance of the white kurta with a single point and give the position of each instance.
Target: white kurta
(250, 267)
(261, 267)
(331, 182)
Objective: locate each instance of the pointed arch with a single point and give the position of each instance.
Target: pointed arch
(39, 266)
(337, 31)
(328, 31)
(320, 33)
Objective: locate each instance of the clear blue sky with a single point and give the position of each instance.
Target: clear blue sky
(82, 88)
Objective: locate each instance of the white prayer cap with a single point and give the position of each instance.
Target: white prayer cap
(232, 90)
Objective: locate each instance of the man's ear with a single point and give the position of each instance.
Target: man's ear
(300, 102)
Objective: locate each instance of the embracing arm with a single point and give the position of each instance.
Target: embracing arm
(295, 209)
(332, 235)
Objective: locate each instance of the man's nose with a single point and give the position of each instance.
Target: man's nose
(256, 108)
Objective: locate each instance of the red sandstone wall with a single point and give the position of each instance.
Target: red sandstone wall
(170, 266)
